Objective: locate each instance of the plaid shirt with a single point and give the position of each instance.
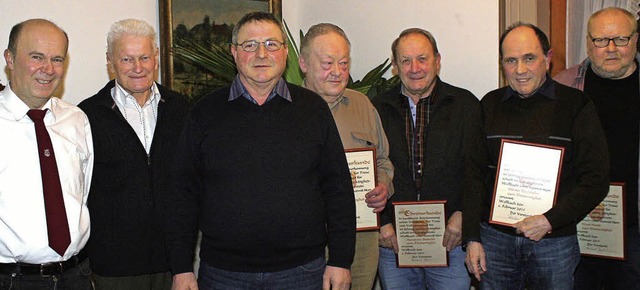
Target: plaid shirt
(416, 120)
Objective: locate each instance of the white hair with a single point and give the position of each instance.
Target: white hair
(130, 27)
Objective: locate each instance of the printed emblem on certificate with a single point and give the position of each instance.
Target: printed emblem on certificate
(362, 166)
(601, 232)
(420, 229)
(527, 181)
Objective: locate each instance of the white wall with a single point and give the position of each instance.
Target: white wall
(87, 23)
(466, 31)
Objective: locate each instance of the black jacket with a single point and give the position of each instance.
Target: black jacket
(127, 199)
(452, 134)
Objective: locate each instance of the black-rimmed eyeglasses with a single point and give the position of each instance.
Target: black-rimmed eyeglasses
(618, 41)
(252, 45)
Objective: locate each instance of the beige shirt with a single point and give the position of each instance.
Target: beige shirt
(359, 126)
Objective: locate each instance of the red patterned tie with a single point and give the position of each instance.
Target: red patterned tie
(57, 225)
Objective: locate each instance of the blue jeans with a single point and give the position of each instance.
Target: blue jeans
(596, 273)
(514, 262)
(78, 278)
(453, 277)
(307, 276)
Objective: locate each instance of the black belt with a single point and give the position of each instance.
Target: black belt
(46, 269)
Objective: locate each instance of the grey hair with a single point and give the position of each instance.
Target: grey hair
(409, 31)
(130, 27)
(319, 30)
(258, 16)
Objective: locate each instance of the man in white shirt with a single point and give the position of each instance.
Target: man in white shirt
(31, 254)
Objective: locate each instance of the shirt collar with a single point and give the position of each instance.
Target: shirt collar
(344, 99)
(238, 90)
(341, 99)
(12, 107)
(547, 89)
(120, 95)
(430, 98)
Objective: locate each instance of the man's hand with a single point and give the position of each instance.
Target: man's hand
(387, 237)
(184, 281)
(597, 214)
(534, 227)
(453, 232)
(377, 197)
(475, 260)
(336, 278)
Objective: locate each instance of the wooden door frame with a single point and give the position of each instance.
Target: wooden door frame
(557, 33)
(558, 36)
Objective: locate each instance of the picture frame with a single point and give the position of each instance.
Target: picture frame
(420, 228)
(601, 233)
(363, 169)
(527, 181)
(169, 18)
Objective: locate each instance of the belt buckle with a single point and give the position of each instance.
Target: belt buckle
(44, 273)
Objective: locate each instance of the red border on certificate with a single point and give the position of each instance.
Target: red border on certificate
(420, 234)
(605, 224)
(364, 176)
(524, 176)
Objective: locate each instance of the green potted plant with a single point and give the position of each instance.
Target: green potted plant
(216, 62)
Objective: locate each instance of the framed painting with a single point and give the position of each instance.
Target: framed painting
(205, 21)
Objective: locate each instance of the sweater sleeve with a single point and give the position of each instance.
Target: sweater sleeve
(475, 170)
(181, 220)
(335, 183)
(591, 165)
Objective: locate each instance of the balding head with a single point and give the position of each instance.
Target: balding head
(615, 28)
(35, 59)
(37, 22)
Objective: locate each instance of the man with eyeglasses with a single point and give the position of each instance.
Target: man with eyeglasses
(261, 171)
(540, 251)
(610, 77)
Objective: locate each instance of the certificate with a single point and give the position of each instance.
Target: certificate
(526, 182)
(362, 166)
(601, 232)
(420, 229)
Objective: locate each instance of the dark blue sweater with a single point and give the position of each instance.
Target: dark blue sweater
(268, 185)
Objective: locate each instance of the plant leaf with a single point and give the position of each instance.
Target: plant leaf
(292, 72)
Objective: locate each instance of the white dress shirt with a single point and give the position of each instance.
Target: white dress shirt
(141, 119)
(23, 224)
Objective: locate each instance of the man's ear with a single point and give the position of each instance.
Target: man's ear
(394, 67)
(8, 57)
(109, 62)
(157, 57)
(234, 51)
(303, 64)
(548, 58)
